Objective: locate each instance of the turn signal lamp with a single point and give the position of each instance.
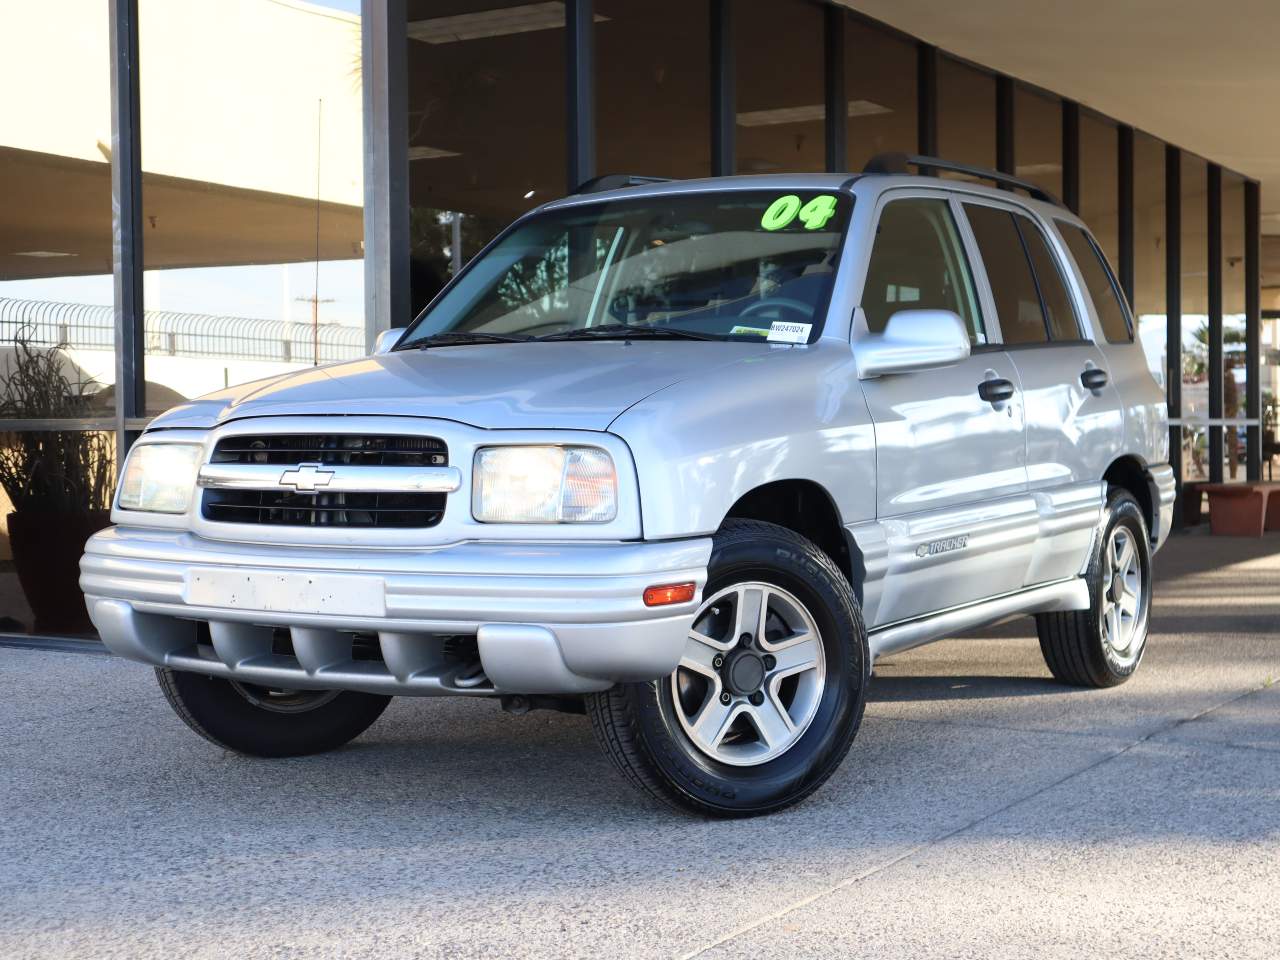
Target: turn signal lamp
(668, 593)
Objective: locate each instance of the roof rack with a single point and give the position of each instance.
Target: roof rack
(615, 181)
(899, 162)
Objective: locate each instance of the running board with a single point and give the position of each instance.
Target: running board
(1064, 595)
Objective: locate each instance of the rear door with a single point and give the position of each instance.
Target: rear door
(951, 483)
(1072, 409)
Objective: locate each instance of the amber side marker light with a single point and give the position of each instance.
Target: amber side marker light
(668, 593)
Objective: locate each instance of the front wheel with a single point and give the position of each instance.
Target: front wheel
(770, 691)
(265, 721)
(1102, 646)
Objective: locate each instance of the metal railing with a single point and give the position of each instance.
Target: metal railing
(170, 333)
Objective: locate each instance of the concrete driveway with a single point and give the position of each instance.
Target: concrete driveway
(984, 812)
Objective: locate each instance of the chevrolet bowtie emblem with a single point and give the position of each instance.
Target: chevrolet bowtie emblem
(306, 478)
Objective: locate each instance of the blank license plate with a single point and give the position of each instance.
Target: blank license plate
(352, 596)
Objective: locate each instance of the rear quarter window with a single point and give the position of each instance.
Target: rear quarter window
(1113, 315)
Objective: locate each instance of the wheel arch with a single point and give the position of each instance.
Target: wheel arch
(1129, 473)
(807, 508)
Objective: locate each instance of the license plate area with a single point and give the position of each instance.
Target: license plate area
(282, 592)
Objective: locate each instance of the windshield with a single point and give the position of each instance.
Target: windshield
(725, 265)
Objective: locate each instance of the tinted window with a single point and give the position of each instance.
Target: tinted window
(918, 263)
(1013, 286)
(1053, 290)
(1101, 284)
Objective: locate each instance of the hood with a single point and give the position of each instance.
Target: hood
(574, 385)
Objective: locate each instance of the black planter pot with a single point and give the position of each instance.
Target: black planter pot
(46, 552)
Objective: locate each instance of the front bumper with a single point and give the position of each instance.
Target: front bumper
(547, 618)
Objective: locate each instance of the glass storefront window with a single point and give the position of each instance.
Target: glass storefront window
(880, 86)
(653, 88)
(1234, 438)
(486, 126)
(57, 358)
(780, 93)
(966, 113)
(1099, 197)
(1269, 372)
(1037, 138)
(252, 193)
(1149, 251)
(1195, 319)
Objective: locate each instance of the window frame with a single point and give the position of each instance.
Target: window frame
(1057, 252)
(1126, 309)
(990, 331)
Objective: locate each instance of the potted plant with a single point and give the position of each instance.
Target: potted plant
(59, 483)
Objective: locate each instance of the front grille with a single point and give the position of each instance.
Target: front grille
(285, 508)
(333, 448)
(290, 508)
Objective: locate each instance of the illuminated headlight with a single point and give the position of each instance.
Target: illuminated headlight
(160, 477)
(544, 485)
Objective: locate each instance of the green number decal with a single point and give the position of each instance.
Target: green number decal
(781, 212)
(815, 214)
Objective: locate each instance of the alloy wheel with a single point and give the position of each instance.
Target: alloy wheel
(752, 674)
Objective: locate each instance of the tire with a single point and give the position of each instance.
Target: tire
(670, 739)
(1078, 645)
(261, 723)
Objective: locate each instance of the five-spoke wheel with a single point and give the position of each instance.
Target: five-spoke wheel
(752, 674)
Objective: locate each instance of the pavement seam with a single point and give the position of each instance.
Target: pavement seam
(943, 837)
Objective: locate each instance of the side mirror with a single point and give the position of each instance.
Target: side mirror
(912, 340)
(387, 339)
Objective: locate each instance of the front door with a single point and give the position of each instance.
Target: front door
(952, 504)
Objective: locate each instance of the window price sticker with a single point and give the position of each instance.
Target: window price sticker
(789, 332)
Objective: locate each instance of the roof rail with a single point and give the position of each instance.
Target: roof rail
(615, 181)
(899, 162)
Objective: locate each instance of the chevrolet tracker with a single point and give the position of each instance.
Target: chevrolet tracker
(684, 456)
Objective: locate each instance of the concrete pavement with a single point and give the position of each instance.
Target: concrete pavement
(983, 812)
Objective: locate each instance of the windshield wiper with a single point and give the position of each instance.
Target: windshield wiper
(457, 337)
(628, 331)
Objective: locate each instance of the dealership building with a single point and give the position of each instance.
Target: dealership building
(194, 195)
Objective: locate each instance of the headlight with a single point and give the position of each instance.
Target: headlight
(160, 477)
(544, 485)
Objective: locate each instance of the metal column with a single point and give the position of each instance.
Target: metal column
(580, 73)
(724, 111)
(126, 223)
(1253, 324)
(837, 101)
(385, 73)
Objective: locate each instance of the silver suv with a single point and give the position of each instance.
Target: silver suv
(686, 457)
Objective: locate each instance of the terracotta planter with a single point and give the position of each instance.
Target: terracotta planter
(46, 552)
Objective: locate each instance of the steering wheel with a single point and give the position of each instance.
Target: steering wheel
(783, 303)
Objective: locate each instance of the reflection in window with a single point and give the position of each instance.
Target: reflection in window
(1099, 197)
(1195, 318)
(653, 87)
(1037, 137)
(56, 318)
(880, 86)
(966, 113)
(486, 127)
(252, 194)
(780, 101)
(1235, 438)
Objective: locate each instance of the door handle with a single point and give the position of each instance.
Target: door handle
(996, 390)
(1093, 379)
